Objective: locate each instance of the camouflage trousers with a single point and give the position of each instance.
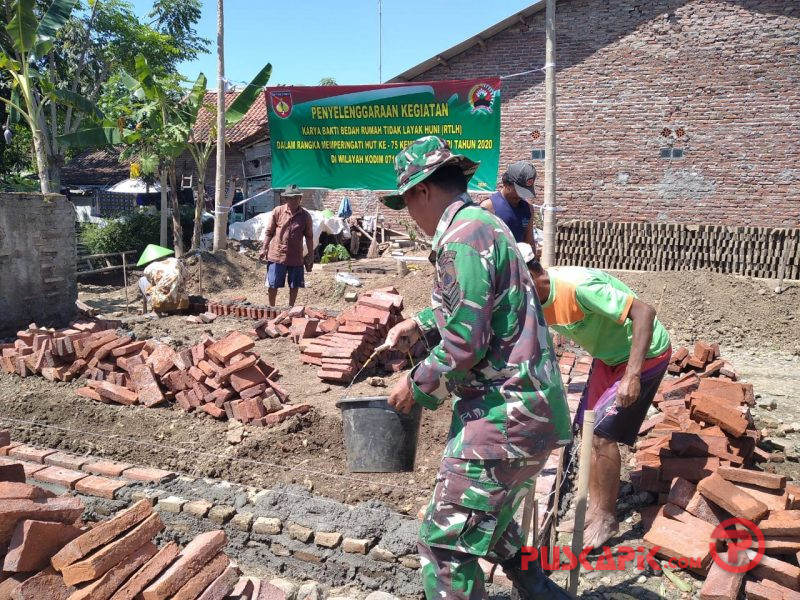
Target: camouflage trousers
(471, 516)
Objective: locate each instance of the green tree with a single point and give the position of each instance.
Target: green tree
(327, 81)
(70, 54)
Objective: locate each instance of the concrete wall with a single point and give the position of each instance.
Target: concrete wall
(37, 261)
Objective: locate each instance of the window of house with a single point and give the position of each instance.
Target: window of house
(671, 152)
(537, 154)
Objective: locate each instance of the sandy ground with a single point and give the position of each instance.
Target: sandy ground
(759, 331)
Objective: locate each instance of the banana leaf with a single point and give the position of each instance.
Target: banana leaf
(93, 137)
(80, 103)
(244, 101)
(54, 18)
(22, 26)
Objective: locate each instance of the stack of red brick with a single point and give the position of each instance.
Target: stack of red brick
(222, 378)
(696, 455)
(352, 337)
(703, 359)
(52, 353)
(298, 322)
(49, 553)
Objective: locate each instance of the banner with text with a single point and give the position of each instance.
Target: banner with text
(346, 137)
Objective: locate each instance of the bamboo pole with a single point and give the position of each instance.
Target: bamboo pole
(585, 464)
(549, 225)
(221, 206)
(125, 282)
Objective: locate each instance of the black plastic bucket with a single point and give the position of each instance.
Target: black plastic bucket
(378, 439)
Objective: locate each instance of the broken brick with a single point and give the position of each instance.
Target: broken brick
(732, 499)
(34, 542)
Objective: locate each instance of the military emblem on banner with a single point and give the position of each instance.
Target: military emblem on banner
(281, 103)
(481, 98)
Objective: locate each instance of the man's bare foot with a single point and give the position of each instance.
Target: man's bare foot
(568, 525)
(600, 530)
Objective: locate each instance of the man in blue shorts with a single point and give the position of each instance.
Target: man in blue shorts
(283, 246)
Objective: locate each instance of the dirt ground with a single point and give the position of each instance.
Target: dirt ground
(758, 329)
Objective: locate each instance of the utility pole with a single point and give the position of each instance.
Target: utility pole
(380, 41)
(220, 203)
(549, 250)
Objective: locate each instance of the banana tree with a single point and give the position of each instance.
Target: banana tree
(24, 42)
(201, 149)
(154, 122)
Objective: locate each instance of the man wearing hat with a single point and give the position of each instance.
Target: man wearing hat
(283, 246)
(163, 284)
(511, 203)
(495, 360)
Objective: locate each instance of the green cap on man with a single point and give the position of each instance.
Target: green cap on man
(421, 158)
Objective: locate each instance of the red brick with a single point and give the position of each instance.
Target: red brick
(721, 584)
(704, 352)
(785, 593)
(207, 368)
(222, 585)
(781, 572)
(10, 490)
(12, 472)
(237, 366)
(284, 413)
(213, 410)
(117, 393)
(106, 349)
(780, 526)
(8, 586)
(732, 499)
(60, 476)
(131, 348)
(241, 380)
(29, 453)
(44, 584)
(161, 359)
(101, 534)
(147, 573)
(34, 542)
(189, 563)
(146, 386)
(101, 487)
(94, 342)
(99, 563)
(147, 474)
(677, 540)
(716, 412)
(760, 591)
(109, 468)
(207, 575)
(62, 509)
(232, 344)
(766, 480)
(105, 586)
(692, 469)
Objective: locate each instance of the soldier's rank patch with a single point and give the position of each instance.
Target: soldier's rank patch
(448, 282)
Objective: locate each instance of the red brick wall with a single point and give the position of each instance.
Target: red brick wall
(725, 71)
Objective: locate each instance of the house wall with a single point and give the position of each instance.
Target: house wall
(38, 280)
(725, 72)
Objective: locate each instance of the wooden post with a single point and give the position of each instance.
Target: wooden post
(200, 273)
(557, 498)
(125, 281)
(584, 468)
(528, 513)
(549, 250)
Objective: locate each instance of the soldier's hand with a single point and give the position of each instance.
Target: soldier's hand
(628, 391)
(403, 335)
(401, 397)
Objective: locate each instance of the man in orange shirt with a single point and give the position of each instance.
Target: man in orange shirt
(631, 351)
(283, 246)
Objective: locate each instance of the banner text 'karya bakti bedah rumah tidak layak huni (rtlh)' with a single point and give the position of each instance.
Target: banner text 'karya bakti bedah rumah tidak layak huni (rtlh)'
(346, 137)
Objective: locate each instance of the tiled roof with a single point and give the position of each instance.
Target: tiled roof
(251, 127)
(102, 166)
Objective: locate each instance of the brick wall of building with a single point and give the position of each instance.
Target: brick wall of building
(725, 72)
(37, 261)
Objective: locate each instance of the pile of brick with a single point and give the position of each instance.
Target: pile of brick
(704, 359)
(350, 340)
(223, 378)
(297, 323)
(48, 552)
(697, 454)
(239, 307)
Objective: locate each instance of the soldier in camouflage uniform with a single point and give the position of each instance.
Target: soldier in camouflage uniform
(495, 360)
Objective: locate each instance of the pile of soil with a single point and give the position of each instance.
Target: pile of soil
(728, 309)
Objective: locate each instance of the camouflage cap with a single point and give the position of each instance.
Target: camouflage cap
(421, 158)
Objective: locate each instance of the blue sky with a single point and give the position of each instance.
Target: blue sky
(306, 40)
